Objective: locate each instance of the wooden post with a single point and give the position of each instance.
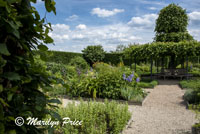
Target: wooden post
(151, 68)
(162, 63)
(157, 65)
(187, 66)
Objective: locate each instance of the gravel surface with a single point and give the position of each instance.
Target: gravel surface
(163, 112)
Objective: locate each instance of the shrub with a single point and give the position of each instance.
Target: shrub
(93, 54)
(97, 118)
(190, 84)
(58, 57)
(79, 62)
(104, 81)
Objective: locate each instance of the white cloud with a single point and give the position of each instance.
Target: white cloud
(195, 33)
(194, 15)
(109, 36)
(81, 27)
(146, 21)
(72, 18)
(153, 8)
(105, 13)
(61, 27)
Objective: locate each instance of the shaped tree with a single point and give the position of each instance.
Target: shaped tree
(171, 26)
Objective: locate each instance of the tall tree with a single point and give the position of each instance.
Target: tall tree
(171, 25)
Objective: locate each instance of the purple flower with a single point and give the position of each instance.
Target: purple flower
(138, 79)
(191, 67)
(124, 76)
(129, 79)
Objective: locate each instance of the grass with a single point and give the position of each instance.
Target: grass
(148, 83)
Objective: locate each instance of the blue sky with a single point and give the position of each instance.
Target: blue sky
(79, 23)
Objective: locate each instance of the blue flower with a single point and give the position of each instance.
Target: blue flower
(138, 79)
(124, 76)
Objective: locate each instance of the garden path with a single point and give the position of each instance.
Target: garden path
(163, 112)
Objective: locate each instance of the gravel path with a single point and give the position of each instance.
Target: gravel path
(163, 112)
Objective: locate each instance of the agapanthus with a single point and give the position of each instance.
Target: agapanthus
(124, 76)
(137, 79)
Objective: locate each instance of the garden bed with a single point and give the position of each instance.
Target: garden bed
(139, 103)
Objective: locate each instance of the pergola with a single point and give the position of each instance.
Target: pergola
(159, 50)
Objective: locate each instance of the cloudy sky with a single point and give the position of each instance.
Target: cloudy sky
(79, 23)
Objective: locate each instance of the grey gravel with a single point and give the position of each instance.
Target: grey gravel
(163, 112)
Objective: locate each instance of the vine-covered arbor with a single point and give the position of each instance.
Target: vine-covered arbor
(157, 51)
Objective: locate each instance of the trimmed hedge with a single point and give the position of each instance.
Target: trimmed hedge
(65, 57)
(58, 56)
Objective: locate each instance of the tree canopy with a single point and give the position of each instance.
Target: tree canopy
(171, 25)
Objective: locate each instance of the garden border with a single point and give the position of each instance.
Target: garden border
(102, 100)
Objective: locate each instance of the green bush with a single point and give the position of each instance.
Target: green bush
(190, 84)
(58, 56)
(93, 54)
(105, 81)
(79, 62)
(97, 118)
(151, 84)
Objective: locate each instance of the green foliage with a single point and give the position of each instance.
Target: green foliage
(192, 94)
(93, 54)
(158, 50)
(79, 62)
(151, 84)
(58, 56)
(97, 118)
(104, 81)
(22, 81)
(171, 25)
(190, 84)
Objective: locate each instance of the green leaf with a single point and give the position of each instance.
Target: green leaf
(12, 76)
(10, 95)
(1, 88)
(34, 1)
(2, 3)
(48, 39)
(2, 128)
(3, 49)
(48, 5)
(3, 102)
(42, 47)
(55, 101)
(1, 112)
(39, 108)
(12, 132)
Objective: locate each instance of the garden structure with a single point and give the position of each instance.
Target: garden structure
(172, 45)
(160, 52)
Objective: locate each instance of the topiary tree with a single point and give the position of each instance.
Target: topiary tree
(93, 54)
(171, 26)
(23, 83)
